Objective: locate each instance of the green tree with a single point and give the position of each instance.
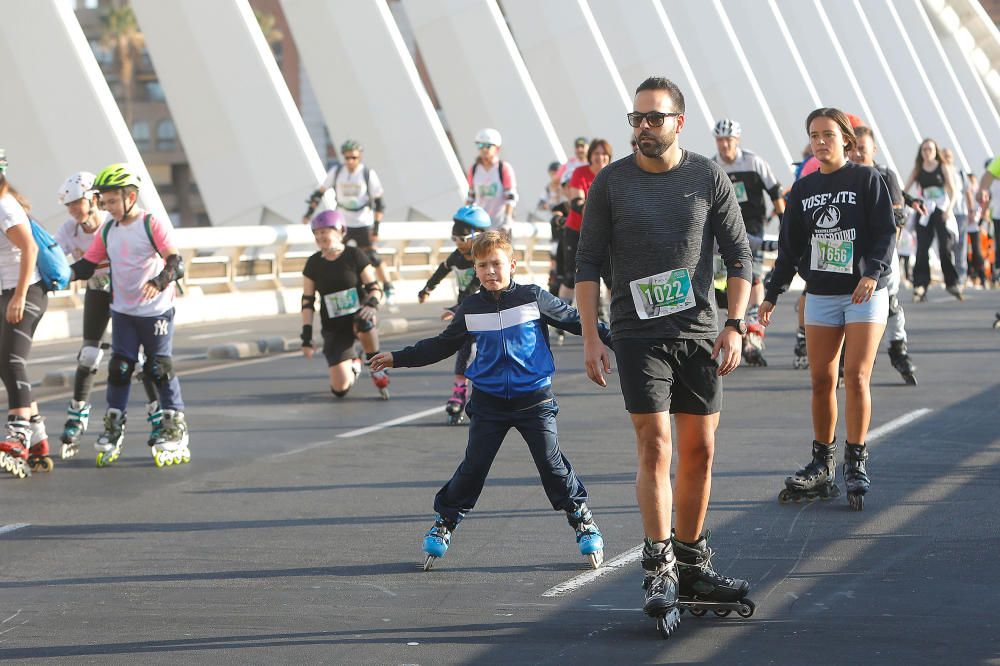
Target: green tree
(269, 26)
(122, 36)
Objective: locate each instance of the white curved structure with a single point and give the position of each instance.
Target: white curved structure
(726, 77)
(58, 115)
(481, 81)
(246, 141)
(572, 68)
(375, 95)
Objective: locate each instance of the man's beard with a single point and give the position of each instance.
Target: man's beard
(657, 149)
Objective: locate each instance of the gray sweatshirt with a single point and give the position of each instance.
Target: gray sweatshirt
(660, 230)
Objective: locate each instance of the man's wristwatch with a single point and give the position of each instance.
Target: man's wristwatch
(738, 324)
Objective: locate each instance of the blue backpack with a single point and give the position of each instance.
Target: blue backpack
(52, 265)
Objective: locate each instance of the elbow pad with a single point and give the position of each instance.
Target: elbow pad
(83, 269)
(577, 204)
(374, 291)
(309, 302)
(378, 205)
(172, 270)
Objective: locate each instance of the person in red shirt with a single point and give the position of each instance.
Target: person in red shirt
(598, 157)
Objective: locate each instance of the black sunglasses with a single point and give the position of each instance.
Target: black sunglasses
(654, 118)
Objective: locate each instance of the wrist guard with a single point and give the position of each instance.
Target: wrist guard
(173, 269)
(307, 335)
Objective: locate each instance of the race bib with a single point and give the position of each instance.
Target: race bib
(487, 190)
(832, 256)
(741, 191)
(341, 303)
(662, 294)
(464, 277)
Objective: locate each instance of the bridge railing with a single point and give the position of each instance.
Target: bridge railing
(262, 257)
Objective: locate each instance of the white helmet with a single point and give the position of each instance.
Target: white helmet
(727, 127)
(78, 186)
(490, 136)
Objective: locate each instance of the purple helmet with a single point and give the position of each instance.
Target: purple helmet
(329, 219)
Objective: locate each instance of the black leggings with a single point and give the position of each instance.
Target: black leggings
(15, 344)
(936, 227)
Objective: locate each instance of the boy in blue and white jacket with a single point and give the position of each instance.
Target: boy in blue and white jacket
(511, 377)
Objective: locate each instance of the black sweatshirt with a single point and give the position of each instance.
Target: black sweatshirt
(845, 215)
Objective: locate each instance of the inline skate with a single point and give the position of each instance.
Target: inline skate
(38, 454)
(588, 535)
(14, 447)
(702, 589)
(900, 360)
(815, 480)
(753, 345)
(109, 443)
(77, 418)
(661, 585)
(800, 360)
(856, 475)
(171, 445)
(455, 407)
(437, 540)
(380, 378)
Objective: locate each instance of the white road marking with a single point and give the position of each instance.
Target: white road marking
(47, 359)
(633, 555)
(207, 336)
(388, 424)
(628, 557)
(897, 423)
(4, 529)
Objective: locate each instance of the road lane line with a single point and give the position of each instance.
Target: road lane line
(626, 558)
(388, 424)
(633, 555)
(47, 359)
(4, 529)
(898, 423)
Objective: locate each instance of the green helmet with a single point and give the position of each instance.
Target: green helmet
(348, 145)
(116, 176)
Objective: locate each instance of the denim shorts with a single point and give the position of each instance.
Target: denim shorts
(838, 310)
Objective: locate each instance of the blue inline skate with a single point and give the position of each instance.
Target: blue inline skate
(437, 540)
(588, 535)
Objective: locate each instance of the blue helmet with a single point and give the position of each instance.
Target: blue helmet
(473, 216)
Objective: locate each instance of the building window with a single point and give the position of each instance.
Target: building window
(166, 136)
(140, 134)
(154, 91)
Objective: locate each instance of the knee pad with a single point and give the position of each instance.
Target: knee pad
(374, 257)
(120, 370)
(894, 306)
(363, 325)
(160, 369)
(89, 358)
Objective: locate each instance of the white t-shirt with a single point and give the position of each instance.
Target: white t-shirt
(11, 214)
(75, 242)
(570, 167)
(134, 262)
(354, 201)
(487, 189)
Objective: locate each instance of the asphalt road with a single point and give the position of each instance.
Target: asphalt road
(294, 535)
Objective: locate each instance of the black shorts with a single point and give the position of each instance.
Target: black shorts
(675, 375)
(338, 340)
(362, 239)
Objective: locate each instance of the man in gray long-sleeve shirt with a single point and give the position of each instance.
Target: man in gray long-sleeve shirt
(659, 214)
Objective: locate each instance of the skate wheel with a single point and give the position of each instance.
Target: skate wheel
(596, 559)
(746, 608)
(384, 393)
(668, 623)
(158, 459)
(429, 563)
(722, 612)
(857, 501)
(910, 380)
(784, 497)
(100, 459)
(698, 612)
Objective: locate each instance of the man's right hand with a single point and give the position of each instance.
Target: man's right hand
(596, 360)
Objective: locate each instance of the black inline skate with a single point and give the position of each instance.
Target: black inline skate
(817, 479)
(661, 585)
(900, 360)
(856, 475)
(996, 324)
(702, 589)
(800, 361)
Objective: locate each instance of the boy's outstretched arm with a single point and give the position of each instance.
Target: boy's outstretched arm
(428, 350)
(558, 313)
